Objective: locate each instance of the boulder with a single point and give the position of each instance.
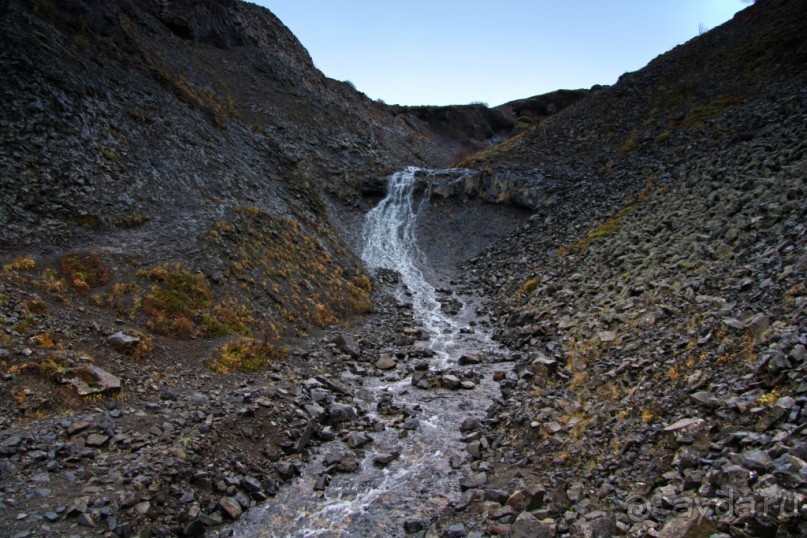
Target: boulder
(451, 382)
(90, 379)
(122, 342)
(339, 413)
(348, 345)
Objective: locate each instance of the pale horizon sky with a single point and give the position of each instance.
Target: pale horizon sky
(441, 52)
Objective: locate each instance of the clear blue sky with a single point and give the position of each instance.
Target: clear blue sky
(440, 52)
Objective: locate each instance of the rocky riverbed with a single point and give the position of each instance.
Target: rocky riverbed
(180, 451)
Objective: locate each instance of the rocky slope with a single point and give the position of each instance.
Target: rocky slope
(656, 300)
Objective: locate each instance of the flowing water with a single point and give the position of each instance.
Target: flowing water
(421, 482)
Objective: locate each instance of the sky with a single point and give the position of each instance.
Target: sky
(442, 52)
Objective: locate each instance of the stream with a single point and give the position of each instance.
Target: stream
(425, 478)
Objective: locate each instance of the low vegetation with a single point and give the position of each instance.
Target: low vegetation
(84, 271)
(249, 355)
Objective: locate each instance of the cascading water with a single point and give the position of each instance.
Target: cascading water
(390, 243)
(421, 482)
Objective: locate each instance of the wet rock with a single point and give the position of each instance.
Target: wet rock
(411, 424)
(348, 464)
(384, 459)
(470, 424)
(322, 482)
(385, 363)
(358, 440)
(286, 469)
(468, 360)
(450, 382)
(420, 379)
(270, 487)
(339, 413)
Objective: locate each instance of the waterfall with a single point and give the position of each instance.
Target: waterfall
(390, 242)
(423, 479)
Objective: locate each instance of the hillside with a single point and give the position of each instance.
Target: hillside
(656, 297)
(186, 326)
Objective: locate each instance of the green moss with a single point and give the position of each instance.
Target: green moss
(92, 222)
(131, 220)
(702, 112)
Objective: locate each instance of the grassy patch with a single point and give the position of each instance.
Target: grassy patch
(296, 263)
(84, 272)
(123, 299)
(228, 317)
(702, 112)
(248, 355)
(93, 222)
(177, 301)
(608, 227)
(20, 264)
(131, 220)
(50, 368)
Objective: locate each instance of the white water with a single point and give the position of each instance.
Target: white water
(374, 501)
(390, 242)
